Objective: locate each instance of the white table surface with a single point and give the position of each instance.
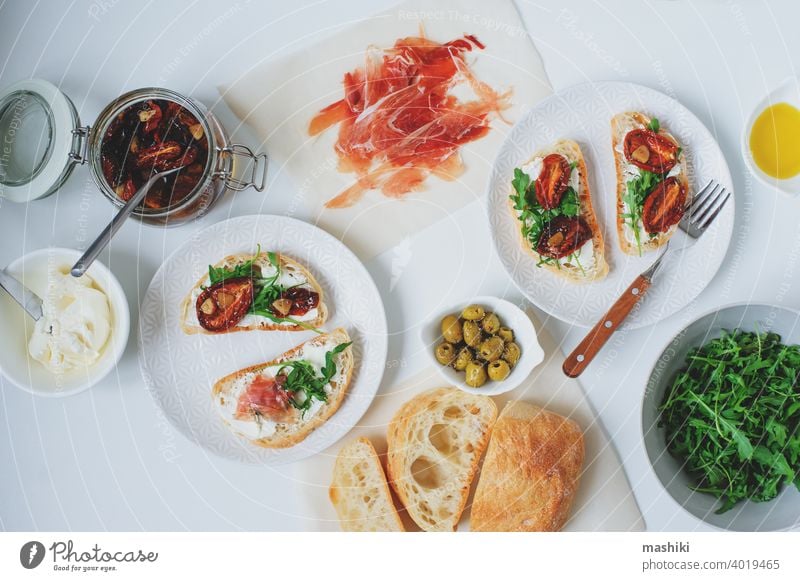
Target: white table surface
(108, 460)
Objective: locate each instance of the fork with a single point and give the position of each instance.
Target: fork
(701, 213)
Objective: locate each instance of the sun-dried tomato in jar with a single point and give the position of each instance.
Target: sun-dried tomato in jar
(149, 137)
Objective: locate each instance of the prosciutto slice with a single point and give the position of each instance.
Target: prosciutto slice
(400, 119)
(266, 397)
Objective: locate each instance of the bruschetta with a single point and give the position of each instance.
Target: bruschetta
(267, 291)
(551, 200)
(652, 183)
(279, 403)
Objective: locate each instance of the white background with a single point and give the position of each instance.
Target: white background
(107, 460)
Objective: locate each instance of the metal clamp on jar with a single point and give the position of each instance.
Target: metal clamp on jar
(137, 135)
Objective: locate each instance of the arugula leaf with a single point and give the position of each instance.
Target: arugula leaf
(636, 192)
(329, 369)
(570, 204)
(302, 380)
(732, 417)
(267, 314)
(654, 125)
(266, 290)
(576, 258)
(520, 182)
(244, 270)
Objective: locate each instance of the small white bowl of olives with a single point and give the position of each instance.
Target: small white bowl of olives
(487, 345)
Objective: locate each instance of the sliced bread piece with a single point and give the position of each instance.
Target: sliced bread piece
(359, 491)
(531, 472)
(588, 262)
(255, 404)
(436, 441)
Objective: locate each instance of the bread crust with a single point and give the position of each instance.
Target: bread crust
(572, 152)
(423, 413)
(531, 473)
(621, 124)
(187, 305)
(339, 389)
(343, 492)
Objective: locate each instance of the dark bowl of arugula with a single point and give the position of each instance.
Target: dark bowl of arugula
(721, 418)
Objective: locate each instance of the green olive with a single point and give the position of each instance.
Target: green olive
(491, 323)
(498, 370)
(506, 334)
(473, 313)
(476, 374)
(472, 333)
(491, 349)
(445, 353)
(463, 359)
(451, 329)
(511, 354)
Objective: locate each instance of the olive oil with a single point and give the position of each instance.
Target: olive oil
(775, 141)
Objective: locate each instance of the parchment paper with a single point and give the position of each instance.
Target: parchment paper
(280, 96)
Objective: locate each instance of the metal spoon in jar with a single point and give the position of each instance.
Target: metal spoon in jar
(94, 250)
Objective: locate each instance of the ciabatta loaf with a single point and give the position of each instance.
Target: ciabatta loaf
(258, 405)
(531, 472)
(435, 442)
(587, 263)
(359, 491)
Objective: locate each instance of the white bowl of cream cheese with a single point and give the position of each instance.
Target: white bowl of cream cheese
(81, 336)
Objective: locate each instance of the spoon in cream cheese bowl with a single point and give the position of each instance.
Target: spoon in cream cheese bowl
(94, 250)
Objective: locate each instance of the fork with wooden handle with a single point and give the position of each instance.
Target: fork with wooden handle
(702, 211)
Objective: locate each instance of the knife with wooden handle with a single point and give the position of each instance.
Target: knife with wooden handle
(577, 361)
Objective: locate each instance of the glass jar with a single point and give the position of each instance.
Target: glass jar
(42, 142)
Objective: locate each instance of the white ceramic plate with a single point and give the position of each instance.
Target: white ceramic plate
(180, 369)
(583, 113)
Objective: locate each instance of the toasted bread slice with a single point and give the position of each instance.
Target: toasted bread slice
(621, 124)
(359, 491)
(288, 426)
(292, 274)
(595, 267)
(531, 472)
(435, 443)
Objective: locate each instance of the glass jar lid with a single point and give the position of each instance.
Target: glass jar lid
(40, 138)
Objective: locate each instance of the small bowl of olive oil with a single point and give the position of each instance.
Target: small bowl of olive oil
(771, 138)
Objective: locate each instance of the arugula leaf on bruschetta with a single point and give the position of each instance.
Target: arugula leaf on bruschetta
(277, 404)
(550, 197)
(652, 184)
(265, 291)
